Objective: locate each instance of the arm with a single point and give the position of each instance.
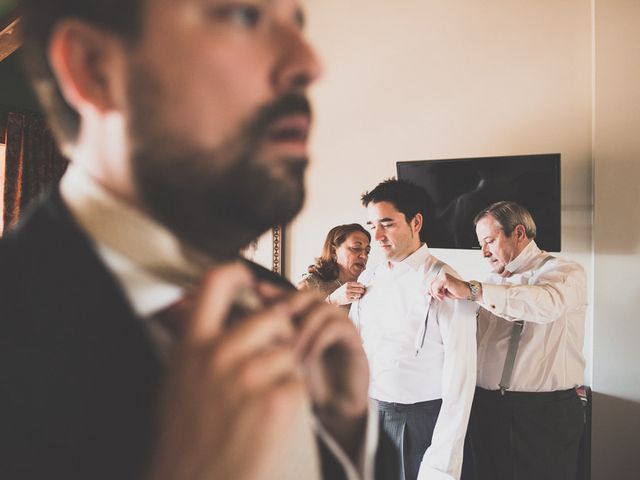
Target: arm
(557, 289)
(443, 459)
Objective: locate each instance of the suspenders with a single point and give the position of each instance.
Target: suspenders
(514, 340)
(434, 271)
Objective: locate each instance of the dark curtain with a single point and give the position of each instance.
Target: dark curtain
(33, 163)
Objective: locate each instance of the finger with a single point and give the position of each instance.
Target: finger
(298, 303)
(219, 290)
(439, 294)
(271, 292)
(261, 371)
(333, 331)
(309, 325)
(256, 333)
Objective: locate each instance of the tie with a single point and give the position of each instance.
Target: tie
(174, 317)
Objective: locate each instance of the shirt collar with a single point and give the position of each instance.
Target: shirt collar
(415, 260)
(520, 263)
(112, 223)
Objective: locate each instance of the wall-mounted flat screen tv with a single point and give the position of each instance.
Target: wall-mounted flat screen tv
(459, 188)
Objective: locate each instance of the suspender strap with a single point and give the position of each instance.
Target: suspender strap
(514, 341)
(432, 274)
(510, 360)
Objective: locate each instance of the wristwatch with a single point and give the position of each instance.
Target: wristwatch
(474, 288)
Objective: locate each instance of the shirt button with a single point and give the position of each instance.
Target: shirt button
(493, 306)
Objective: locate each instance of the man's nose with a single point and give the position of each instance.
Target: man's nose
(298, 66)
(379, 233)
(485, 250)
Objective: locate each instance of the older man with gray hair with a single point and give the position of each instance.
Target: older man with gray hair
(527, 418)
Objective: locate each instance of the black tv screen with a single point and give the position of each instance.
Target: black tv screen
(459, 188)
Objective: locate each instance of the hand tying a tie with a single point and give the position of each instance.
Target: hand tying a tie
(236, 394)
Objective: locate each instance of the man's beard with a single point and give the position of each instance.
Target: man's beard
(216, 201)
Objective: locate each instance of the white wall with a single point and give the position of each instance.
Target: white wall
(421, 79)
(410, 79)
(616, 353)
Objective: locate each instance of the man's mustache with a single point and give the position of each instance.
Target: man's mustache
(286, 105)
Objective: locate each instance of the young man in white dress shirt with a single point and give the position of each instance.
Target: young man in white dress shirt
(527, 418)
(422, 354)
(186, 123)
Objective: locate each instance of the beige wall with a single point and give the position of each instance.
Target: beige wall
(616, 357)
(410, 80)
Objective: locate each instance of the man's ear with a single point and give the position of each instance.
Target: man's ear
(87, 63)
(416, 223)
(520, 232)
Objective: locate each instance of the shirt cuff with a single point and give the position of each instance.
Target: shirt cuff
(494, 298)
(365, 469)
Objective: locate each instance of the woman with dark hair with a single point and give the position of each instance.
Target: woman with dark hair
(344, 257)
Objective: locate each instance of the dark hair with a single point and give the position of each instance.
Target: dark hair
(509, 215)
(408, 198)
(326, 266)
(39, 18)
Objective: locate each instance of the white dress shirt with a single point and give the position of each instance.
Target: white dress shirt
(154, 270)
(551, 297)
(391, 317)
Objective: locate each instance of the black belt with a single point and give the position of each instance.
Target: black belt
(407, 407)
(526, 396)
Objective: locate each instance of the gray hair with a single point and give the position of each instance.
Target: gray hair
(509, 215)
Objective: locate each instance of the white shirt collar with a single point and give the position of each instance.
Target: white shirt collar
(151, 264)
(521, 262)
(416, 259)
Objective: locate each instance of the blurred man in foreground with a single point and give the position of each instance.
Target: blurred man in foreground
(133, 343)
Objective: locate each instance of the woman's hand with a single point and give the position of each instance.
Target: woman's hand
(347, 293)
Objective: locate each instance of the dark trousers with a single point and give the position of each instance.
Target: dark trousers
(526, 436)
(410, 427)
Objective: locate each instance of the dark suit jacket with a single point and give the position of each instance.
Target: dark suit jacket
(79, 379)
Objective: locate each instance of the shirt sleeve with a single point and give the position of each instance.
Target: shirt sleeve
(558, 288)
(365, 469)
(457, 322)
